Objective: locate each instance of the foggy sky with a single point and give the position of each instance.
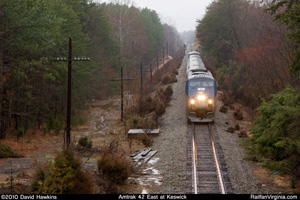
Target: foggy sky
(180, 13)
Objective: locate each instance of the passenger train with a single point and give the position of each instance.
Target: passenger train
(201, 89)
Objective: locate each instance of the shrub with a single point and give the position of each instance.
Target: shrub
(223, 109)
(242, 134)
(238, 114)
(39, 178)
(168, 93)
(135, 123)
(85, 143)
(20, 132)
(52, 123)
(173, 78)
(276, 134)
(7, 152)
(227, 100)
(147, 141)
(160, 109)
(166, 80)
(230, 130)
(65, 176)
(114, 167)
(148, 105)
(237, 127)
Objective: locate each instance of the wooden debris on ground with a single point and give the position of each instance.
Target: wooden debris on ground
(141, 132)
(143, 156)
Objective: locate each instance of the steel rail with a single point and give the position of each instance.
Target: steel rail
(222, 188)
(194, 161)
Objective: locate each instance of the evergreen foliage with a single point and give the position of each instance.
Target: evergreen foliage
(276, 135)
(7, 152)
(154, 31)
(84, 142)
(65, 176)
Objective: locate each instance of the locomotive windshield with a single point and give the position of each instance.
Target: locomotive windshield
(206, 86)
(195, 84)
(200, 84)
(209, 84)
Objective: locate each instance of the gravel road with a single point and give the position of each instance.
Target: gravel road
(171, 146)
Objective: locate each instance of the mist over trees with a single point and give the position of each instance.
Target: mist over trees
(188, 37)
(34, 33)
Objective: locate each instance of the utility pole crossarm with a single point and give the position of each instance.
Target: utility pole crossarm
(122, 90)
(63, 59)
(119, 79)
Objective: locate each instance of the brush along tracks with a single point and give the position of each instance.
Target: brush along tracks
(206, 167)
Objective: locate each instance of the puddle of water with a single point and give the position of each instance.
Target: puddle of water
(144, 191)
(150, 176)
(151, 170)
(153, 161)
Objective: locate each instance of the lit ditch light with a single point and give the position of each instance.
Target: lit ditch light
(192, 101)
(210, 101)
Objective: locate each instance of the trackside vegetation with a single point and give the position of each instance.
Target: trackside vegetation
(255, 50)
(276, 135)
(64, 176)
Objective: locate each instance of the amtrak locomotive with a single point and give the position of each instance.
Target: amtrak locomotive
(201, 89)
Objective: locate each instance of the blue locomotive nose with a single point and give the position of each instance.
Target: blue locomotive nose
(197, 86)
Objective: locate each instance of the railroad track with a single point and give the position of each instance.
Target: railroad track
(206, 167)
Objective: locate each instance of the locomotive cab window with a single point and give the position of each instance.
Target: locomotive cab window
(199, 84)
(195, 84)
(208, 84)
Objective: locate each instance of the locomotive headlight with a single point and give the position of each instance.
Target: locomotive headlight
(192, 101)
(210, 101)
(201, 97)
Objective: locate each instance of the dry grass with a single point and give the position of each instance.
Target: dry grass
(113, 167)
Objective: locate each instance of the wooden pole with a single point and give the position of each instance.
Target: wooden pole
(151, 71)
(69, 100)
(122, 93)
